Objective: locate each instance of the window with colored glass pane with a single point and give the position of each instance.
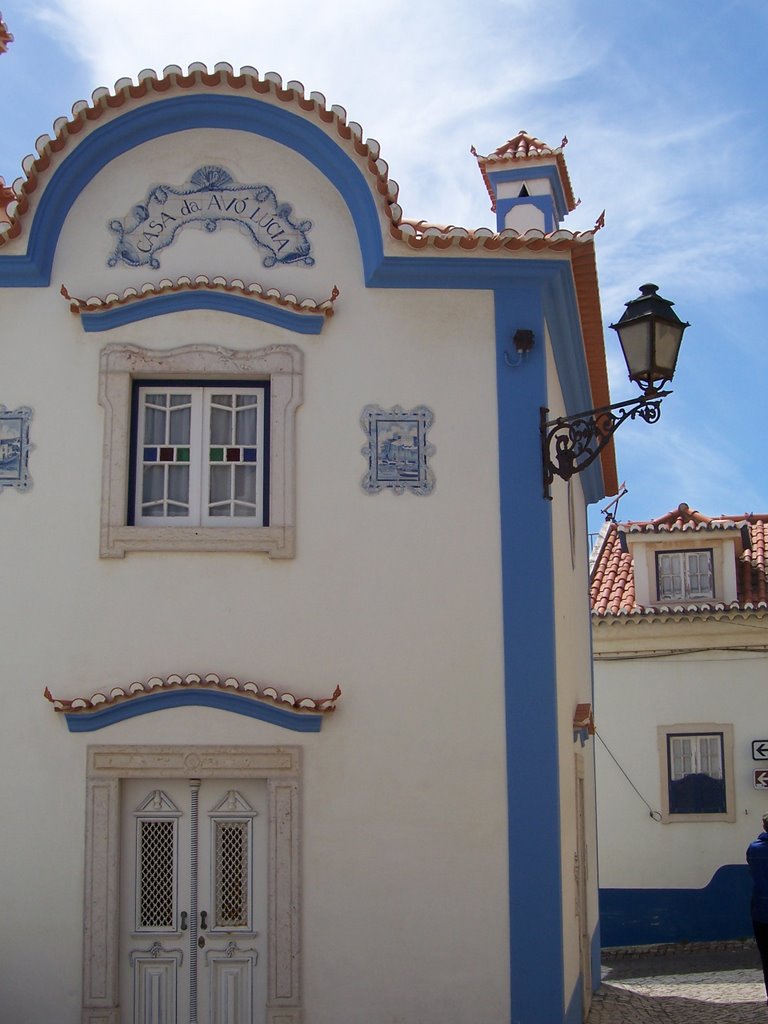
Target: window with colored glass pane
(200, 454)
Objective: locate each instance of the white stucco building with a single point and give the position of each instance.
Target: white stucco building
(680, 626)
(289, 680)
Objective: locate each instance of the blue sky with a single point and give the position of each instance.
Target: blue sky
(665, 104)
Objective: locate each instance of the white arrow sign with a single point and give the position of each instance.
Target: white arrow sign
(760, 750)
(761, 778)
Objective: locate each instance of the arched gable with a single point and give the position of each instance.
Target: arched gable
(350, 164)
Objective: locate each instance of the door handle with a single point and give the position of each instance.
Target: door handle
(184, 920)
(203, 919)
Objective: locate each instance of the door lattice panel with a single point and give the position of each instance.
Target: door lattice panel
(232, 874)
(156, 859)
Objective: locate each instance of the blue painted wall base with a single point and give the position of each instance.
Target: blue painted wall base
(642, 917)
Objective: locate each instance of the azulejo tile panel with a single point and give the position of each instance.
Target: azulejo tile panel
(15, 448)
(210, 199)
(397, 449)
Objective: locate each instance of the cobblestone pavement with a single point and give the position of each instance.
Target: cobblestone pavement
(713, 984)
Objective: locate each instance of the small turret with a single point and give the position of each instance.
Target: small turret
(528, 184)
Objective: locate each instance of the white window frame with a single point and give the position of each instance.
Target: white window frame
(281, 365)
(698, 729)
(201, 396)
(688, 591)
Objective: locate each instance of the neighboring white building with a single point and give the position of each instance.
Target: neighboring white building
(280, 469)
(680, 633)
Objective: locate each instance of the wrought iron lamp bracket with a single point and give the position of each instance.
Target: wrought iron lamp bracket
(571, 443)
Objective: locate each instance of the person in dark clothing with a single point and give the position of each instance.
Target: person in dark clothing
(757, 859)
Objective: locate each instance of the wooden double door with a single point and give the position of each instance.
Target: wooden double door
(193, 901)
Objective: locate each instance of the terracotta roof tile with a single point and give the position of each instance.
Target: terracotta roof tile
(5, 35)
(262, 693)
(612, 580)
(97, 304)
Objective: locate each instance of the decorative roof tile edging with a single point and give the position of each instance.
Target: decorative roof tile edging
(420, 235)
(301, 714)
(174, 79)
(5, 35)
(415, 234)
(305, 316)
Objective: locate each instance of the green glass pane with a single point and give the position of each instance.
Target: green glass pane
(182, 454)
(216, 455)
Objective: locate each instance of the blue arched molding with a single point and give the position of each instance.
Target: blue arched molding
(224, 302)
(145, 704)
(182, 113)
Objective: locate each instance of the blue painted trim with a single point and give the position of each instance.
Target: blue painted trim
(554, 278)
(561, 313)
(595, 959)
(90, 721)
(549, 171)
(718, 912)
(182, 113)
(239, 305)
(480, 274)
(535, 890)
(573, 1014)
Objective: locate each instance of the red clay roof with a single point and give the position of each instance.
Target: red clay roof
(612, 580)
(5, 35)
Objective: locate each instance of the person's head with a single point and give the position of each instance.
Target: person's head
(765, 822)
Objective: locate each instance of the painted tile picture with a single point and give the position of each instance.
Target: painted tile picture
(397, 449)
(14, 447)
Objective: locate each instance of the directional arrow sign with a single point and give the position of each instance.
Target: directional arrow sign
(761, 778)
(760, 750)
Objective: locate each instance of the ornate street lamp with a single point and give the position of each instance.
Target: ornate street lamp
(650, 333)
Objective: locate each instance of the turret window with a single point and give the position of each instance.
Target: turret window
(684, 575)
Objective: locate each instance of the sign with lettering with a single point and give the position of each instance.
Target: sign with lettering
(210, 199)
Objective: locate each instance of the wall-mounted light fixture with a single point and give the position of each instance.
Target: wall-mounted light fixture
(650, 333)
(523, 341)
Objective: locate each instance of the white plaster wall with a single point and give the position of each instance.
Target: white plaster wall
(633, 697)
(574, 686)
(397, 599)
(525, 218)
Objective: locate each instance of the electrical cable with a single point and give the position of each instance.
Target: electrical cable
(651, 813)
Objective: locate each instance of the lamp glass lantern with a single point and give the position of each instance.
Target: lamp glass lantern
(650, 333)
